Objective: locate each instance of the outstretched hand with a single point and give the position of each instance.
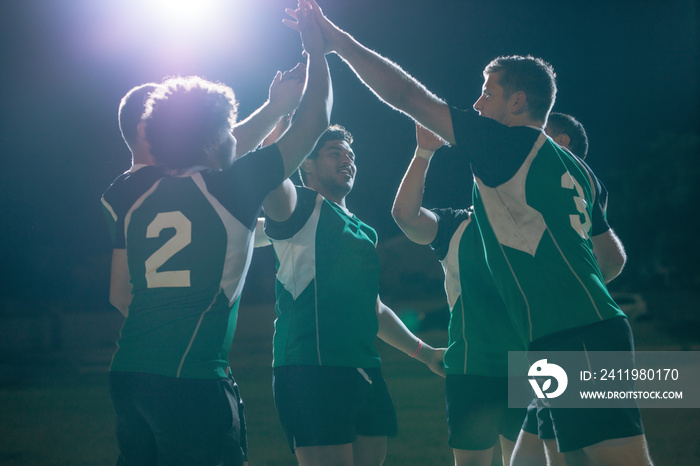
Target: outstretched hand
(286, 89)
(435, 361)
(312, 38)
(427, 140)
(329, 30)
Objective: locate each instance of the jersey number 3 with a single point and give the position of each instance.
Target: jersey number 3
(568, 182)
(183, 237)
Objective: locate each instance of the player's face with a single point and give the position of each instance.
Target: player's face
(492, 103)
(334, 168)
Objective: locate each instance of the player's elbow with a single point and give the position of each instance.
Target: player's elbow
(610, 254)
(401, 217)
(611, 265)
(621, 260)
(616, 265)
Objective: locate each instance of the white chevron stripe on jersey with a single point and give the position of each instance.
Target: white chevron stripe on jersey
(515, 223)
(298, 258)
(239, 250)
(450, 265)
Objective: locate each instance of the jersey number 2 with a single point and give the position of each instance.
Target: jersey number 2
(568, 182)
(183, 237)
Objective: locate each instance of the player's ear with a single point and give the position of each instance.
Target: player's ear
(563, 140)
(307, 165)
(141, 129)
(518, 102)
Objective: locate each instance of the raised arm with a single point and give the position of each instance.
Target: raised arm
(395, 333)
(311, 120)
(281, 202)
(284, 95)
(385, 78)
(418, 223)
(314, 111)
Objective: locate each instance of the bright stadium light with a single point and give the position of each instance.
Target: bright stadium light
(162, 37)
(190, 15)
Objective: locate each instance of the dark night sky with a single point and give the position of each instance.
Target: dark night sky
(627, 70)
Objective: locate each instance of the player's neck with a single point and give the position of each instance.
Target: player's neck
(525, 120)
(330, 194)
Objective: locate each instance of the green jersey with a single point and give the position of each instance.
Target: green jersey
(536, 206)
(188, 240)
(327, 286)
(480, 330)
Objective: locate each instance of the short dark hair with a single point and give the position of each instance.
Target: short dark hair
(561, 123)
(131, 109)
(332, 133)
(185, 117)
(533, 76)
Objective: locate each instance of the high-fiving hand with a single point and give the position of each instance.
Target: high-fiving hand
(286, 89)
(305, 22)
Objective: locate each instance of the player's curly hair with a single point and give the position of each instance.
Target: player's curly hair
(186, 117)
(533, 76)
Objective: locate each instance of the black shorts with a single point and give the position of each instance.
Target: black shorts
(477, 412)
(326, 405)
(537, 422)
(166, 420)
(576, 428)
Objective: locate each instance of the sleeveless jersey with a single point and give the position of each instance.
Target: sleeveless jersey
(327, 286)
(480, 330)
(536, 208)
(188, 239)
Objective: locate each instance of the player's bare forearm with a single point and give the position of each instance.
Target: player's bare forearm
(385, 78)
(277, 131)
(397, 88)
(389, 81)
(284, 95)
(395, 333)
(419, 224)
(313, 114)
(250, 132)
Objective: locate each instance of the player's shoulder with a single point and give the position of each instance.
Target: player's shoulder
(135, 183)
(306, 204)
(264, 158)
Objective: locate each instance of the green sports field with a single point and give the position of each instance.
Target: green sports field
(55, 409)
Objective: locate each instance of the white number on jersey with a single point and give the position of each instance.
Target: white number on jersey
(568, 182)
(183, 237)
